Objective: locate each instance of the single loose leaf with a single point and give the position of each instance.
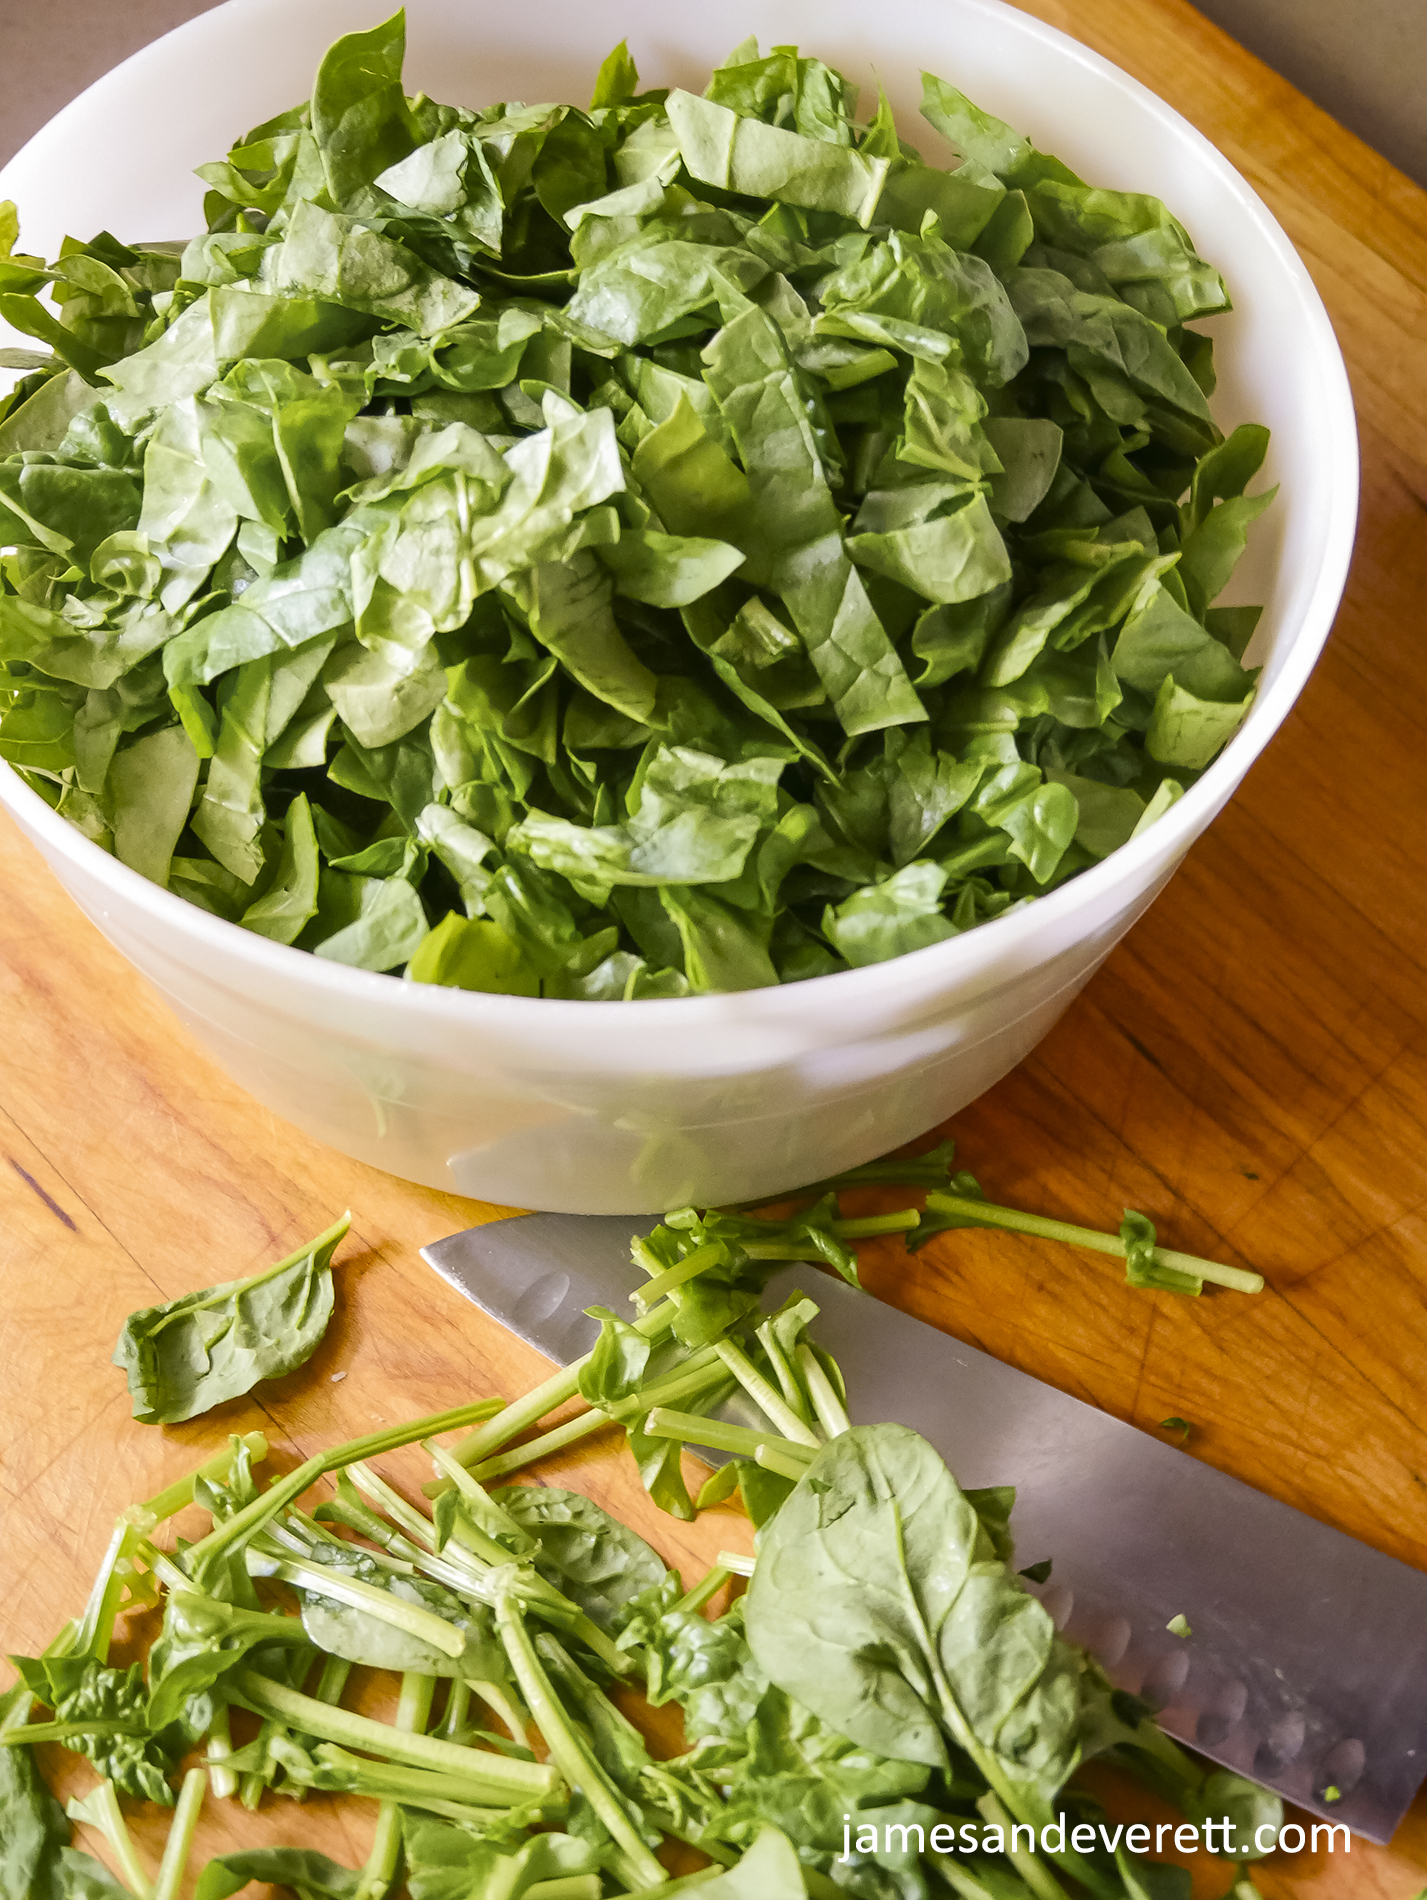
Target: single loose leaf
(878, 1603)
(206, 1347)
(309, 1874)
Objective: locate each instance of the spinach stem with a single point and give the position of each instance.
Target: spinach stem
(257, 1780)
(793, 1391)
(246, 1523)
(458, 1704)
(775, 1249)
(1037, 1876)
(780, 1414)
(707, 1588)
(735, 1564)
(473, 1556)
(174, 1864)
(415, 1523)
(983, 1214)
(378, 1443)
(333, 1680)
(243, 1524)
(557, 1390)
(413, 1710)
(491, 1520)
(100, 1810)
(832, 1413)
(928, 1170)
(688, 1376)
(679, 1274)
(33, 1733)
(556, 1439)
(424, 1625)
(570, 1755)
(221, 1778)
(173, 1498)
(586, 1698)
(690, 1429)
(962, 1883)
(495, 1778)
(96, 1626)
(416, 1787)
(502, 1707)
(1150, 1737)
(868, 1226)
(772, 1459)
(467, 1563)
(683, 1381)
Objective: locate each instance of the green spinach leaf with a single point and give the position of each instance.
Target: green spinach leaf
(206, 1347)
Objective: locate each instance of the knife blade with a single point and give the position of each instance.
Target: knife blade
(1306, 1668)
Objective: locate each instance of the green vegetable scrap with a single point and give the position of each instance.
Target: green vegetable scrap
(1146, 1263)
(687, 544)
(216, 1344)
(954, 1200)
(888, 1710)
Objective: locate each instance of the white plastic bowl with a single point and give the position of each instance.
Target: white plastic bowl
(624, 1107)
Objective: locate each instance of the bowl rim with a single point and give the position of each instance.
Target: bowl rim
(1167, 840)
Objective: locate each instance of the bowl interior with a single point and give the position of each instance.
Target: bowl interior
(121, 157)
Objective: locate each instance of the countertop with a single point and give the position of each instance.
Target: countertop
(1249, 1068)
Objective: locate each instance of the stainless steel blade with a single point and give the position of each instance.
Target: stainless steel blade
(1307, 1665)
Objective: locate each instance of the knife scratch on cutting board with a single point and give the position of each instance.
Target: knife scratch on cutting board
(50, 1202)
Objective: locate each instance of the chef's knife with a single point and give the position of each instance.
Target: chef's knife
(1306, 1666)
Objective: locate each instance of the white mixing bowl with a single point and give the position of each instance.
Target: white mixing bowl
(625, 1107)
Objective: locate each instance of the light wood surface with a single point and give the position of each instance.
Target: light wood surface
(1249, 1068)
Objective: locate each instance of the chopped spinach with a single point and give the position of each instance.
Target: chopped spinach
(687, 544)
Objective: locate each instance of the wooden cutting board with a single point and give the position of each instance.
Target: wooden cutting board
(1250, 1069)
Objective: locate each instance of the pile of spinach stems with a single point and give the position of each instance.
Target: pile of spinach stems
(887, 1669)
(687, 545)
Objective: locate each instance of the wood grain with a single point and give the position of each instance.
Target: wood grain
(1250, 1068)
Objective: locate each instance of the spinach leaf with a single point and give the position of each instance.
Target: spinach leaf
(206, 1347)
(597, 1562)
(105, 1714)
(878, 1602)
(448, 1863)
(702, 544)
(310, 1875)
(770, 1870)
(337, 260)
(201, 1640)
(744, 155)
(86, 1878)
(661, 1472)
(793, 540)
(33, 1828)
(886, 920)
(706, 1667)
(696, 819)
(471, 953)
(360, 117)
